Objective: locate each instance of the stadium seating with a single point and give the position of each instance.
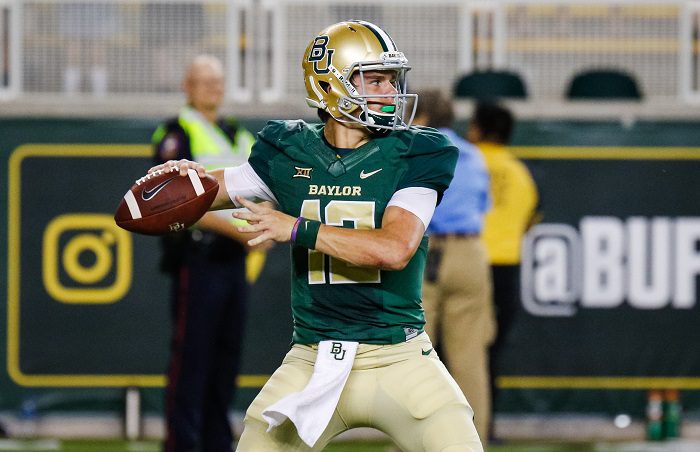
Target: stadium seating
(491, 84)
(604, 84)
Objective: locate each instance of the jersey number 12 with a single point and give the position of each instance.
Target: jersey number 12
(361, 214)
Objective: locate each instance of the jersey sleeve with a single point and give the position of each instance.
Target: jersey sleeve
(271, 144)
(431, 161)
(265, 150)
(417, 200)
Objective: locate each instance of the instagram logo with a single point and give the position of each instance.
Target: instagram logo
(86, 259)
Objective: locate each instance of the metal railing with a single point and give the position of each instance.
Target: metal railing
(109, 49)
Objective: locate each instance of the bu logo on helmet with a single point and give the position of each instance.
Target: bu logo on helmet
(319, 52)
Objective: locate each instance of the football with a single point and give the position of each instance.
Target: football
(164, 202)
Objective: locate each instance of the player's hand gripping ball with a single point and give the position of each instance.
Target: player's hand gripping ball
(163, 202)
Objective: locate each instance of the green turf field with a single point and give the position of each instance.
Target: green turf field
(52, 445)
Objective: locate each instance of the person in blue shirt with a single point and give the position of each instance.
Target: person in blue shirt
(457, 291)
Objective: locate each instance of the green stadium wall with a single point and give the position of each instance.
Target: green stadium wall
(609, 304)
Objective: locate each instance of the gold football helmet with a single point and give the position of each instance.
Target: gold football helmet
(343, 49)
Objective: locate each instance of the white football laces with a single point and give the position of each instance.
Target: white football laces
(156, 173)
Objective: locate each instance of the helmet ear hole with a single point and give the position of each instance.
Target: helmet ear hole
(325, 86)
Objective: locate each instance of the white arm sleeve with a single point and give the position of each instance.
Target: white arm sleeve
(243, 181)
(419, 201)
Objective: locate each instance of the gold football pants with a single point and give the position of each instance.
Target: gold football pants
(403, 390)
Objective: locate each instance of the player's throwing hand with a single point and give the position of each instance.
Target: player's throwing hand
(273, 224)
(183, 165)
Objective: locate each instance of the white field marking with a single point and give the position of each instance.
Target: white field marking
(142, 446)
(677, 445)
(44, 444)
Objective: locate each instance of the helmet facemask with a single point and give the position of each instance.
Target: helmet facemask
(391, 116)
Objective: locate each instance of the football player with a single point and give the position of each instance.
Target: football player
(354, 196)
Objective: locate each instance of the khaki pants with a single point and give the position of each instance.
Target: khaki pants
(402, 390)
(459, 313)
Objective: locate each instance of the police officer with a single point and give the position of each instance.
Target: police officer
(207, 267)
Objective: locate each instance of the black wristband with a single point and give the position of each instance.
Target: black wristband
(306, 233)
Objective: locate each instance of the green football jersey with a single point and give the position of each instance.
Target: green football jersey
(332, 299)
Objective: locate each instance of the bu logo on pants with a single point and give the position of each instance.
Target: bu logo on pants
(337, 351)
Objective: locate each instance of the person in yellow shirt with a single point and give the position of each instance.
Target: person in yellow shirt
(514, 201)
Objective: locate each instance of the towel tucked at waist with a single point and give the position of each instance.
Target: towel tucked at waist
(311, 409)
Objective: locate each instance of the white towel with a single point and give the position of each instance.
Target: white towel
(311, 409)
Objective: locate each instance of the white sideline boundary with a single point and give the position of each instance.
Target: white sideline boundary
(561, 427)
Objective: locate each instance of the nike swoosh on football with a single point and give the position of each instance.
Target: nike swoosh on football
(364, 175)
(148, 194)
(426, 353)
